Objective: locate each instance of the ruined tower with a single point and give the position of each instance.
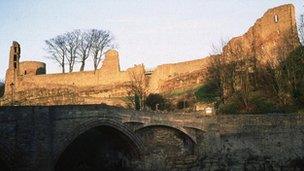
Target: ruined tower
(111, 62)
(18, 70)
(13, 70)
(270, 40)
(14, 56)
(272, 36)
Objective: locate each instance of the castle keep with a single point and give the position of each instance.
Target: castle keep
(28, 84)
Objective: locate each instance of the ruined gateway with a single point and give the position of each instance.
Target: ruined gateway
(59, 116)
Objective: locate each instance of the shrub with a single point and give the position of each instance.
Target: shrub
(156, 101)
(137, 102)
(2, 86)
(232, 106)
(209, 92)
(262, 105)
(257, 104)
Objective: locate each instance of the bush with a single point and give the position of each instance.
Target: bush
(262, 105)
(257, 104)
(155, 101)
(209, 92)
(232, 106)
(2, 86)
(137, 102)
(293, 73)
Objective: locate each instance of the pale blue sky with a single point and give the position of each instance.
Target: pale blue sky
(152, 32)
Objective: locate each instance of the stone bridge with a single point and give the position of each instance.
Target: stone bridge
(103, 137)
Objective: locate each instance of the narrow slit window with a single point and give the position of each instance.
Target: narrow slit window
(276, 18)
(25, 72)
(15, 65)
(15, 58)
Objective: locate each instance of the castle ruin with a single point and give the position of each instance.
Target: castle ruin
(28, 84)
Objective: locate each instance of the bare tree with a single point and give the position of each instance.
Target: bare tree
(271, 81)
(232, 71)
(278, 77)
(85, 47)
(215, 71)
(72, 40)
(293, 72)
(288, 70)
(238, 68)
(56, 47)
(78, 46)
(101, 41)
(301, 28)
(137, 91)
(217, 48)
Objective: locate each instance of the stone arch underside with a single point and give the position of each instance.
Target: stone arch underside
(99, 145)
(182, 130)
(165, 146)
(4, 165)
(8, 159)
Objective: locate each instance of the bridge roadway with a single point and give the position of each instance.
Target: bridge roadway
(45, 137)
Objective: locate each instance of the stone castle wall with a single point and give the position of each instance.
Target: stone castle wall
(167, 72)
(272, 37)
(271, 34)
(30, 85)
(109, 84)
(32, 68)
(108, 74)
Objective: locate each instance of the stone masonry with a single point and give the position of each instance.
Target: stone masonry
(34, 138)
(27, 83)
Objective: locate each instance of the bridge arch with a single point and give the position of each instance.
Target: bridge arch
(167, 142)
(109, 138)
(7, 157)
(179, 129)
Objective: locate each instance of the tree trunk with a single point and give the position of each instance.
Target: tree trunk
(62, 66)
(82, 65)
(63, 70)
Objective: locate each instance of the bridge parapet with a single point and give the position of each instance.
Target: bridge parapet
(42, 133)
